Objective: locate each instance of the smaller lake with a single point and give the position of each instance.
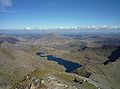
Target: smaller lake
(70, 66)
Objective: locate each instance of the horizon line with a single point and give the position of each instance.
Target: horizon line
(62, 27)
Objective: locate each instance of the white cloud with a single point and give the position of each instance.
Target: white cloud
(28, 28)
(6, 3)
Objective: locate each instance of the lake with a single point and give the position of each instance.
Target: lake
(70, 66)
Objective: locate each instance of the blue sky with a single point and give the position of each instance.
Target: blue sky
(58, 13)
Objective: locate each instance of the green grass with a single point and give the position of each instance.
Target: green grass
(6, 78)
(70, 78)
(65, 76)
(40, 73)
(89, 86)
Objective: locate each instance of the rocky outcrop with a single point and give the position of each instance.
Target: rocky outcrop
(42, 54)
(30, 83)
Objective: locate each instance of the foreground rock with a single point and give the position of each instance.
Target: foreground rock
(30, 83)
(50, 82)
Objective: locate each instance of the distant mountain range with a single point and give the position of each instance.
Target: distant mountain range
(64, 30)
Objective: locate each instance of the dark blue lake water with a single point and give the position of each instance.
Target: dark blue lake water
(70, 66)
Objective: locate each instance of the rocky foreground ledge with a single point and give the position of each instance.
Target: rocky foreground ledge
(55, 80)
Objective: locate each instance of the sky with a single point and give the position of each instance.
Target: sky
(18, 14)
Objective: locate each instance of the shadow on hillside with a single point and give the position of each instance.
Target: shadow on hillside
(113, 57)
(8, 39)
